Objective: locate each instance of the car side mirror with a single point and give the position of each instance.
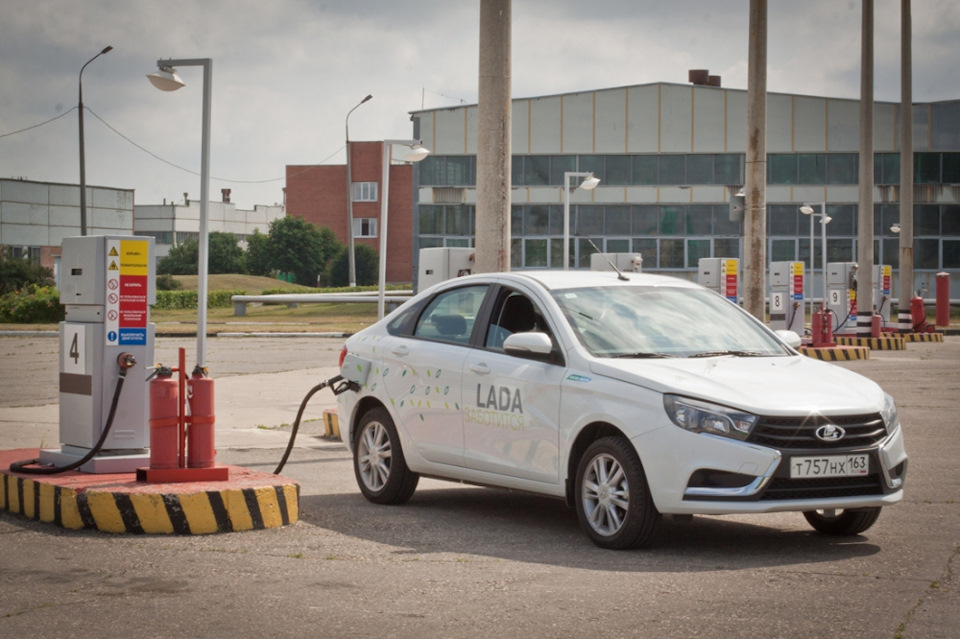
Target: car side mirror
(791, 338)
(531, 345)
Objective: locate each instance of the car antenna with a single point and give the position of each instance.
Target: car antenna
(620, 275)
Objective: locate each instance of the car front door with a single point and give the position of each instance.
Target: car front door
(511, 404)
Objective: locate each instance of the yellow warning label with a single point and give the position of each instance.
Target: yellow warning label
(113, 252)
(134, 257)
(113, 266)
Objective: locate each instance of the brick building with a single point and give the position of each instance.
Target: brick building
(318, 194)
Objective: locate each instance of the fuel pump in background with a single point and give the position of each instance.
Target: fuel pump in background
(842, 296)
(786, 296)
(881, 292)
(720, 274)
(107, 284)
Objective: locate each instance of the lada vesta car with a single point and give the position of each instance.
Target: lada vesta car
(631, 396)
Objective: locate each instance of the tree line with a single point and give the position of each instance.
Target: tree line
(293, 248)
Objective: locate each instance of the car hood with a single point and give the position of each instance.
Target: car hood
(765, 385)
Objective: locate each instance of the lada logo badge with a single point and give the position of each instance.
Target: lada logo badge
(830, 433)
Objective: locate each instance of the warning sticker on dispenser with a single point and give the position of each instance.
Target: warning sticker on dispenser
(126, 312)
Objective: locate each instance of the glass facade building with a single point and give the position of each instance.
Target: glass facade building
(670, 156)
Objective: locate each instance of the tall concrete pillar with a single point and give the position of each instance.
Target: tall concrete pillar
(493, 139)
(755, 187)
(905, 284)
(865, 217)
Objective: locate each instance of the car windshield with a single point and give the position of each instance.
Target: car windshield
(663, 321)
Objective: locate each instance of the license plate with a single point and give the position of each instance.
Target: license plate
(829, 466)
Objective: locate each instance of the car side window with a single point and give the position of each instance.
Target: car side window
(450, 316)
(514, 312)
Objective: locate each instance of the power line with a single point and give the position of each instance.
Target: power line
(71, 109)
(191, 172)
(157, 157)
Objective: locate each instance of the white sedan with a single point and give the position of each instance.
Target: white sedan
(630, 396)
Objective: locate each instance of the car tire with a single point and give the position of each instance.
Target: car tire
(851, 521)
(378, 462)
(612, 498)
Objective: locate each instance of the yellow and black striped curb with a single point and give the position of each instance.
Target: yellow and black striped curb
(836, 353)
(922, 337)
(331, 424)
(180, 509)
(874, 343)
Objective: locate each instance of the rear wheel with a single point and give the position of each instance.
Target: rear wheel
(613, 502)
(851, 521)
(378, 463)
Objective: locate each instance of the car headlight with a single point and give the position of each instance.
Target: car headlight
(889, 413)
(703, 417)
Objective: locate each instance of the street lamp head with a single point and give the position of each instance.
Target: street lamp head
(366, 99)
(416, 153)
(806, 209)
(166, 79)
(106, 50)
(590, 183)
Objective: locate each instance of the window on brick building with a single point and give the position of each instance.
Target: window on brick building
(365, 226)
(364, 191)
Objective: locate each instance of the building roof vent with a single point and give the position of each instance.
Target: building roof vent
(698, 76)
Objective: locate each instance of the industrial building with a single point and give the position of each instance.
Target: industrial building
(669, 156)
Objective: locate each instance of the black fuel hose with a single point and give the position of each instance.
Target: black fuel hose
(21, 466)
(346, 385)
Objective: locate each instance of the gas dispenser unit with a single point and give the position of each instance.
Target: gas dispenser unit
(720, 274)
(842, 296)
(881, 292)
(107, 284)
(786, 296)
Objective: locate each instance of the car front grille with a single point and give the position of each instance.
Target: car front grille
(785, 488)
(799, 433)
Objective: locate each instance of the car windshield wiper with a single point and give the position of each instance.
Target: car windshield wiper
(642, 355)
(732, 353)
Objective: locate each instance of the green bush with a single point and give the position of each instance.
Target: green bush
(167, 282)
(173, 300)
(32, 305)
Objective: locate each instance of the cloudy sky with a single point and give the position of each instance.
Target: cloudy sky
(286, 72)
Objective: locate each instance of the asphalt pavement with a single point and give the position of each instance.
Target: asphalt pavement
(467, 561)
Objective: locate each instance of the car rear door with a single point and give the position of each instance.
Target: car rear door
(421, 373)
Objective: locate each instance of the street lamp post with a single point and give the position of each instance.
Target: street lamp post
(415, 153)
(807, 209)
(588, 184)
(83, 167)
(351, 258)
(166, 79)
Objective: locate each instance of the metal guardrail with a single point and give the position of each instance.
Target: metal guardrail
(293, 300)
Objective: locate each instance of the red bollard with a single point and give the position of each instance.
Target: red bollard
(164, 421)
(943, 299)
(200, 449)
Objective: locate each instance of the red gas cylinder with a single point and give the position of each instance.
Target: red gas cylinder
(943, 299)
(918, 314)
(875, 326)
(200, 450)
(828, 328)
(164, 421)
(816, 328)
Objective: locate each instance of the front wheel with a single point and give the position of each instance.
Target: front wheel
(613, 501)
(378, 463)
(852, 521)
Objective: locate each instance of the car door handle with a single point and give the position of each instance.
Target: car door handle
(400, 351)
(480, 369)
